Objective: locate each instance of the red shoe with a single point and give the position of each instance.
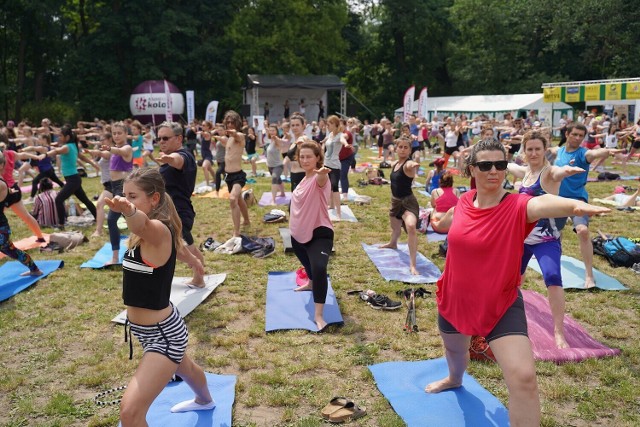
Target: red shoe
(301, 277)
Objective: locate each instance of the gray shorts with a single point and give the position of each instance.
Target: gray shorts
(276, 173)
(577, 220)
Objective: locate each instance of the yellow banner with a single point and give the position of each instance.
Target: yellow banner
(633, 90)
(572, 94)
(551, 94)
(592, 93)
(613, 91)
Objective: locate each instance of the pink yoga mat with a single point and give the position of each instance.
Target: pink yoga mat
(266, 199)
(540, 325)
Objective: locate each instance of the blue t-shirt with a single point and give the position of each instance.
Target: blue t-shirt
(414, 131)
(573, 187)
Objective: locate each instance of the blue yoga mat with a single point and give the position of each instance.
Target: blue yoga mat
(287, 309)
(572, 271)
(222, 389)
(432, 236)
(11, 282)
(103, 256)
(393, 264)
(424, 193)
(403, 383)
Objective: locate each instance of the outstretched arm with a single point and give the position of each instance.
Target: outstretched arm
(550, 206)
(558, 173)
(517, 170)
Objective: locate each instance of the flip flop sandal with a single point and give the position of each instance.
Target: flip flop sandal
(349, 412)
(335, 404)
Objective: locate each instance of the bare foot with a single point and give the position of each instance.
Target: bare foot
(96, 234)
(589, 283)
(321, 324)
(110, 263)
(389, 246)
(195, 284)
(414, 271)
(282, 195)
(31, 273)
(307, 287)
(246, 223)
(443, 384)
(561, 342)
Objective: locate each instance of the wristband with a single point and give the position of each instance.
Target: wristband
(135, 211)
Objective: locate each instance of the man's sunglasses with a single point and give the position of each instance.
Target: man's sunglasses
(164, 138)
(486, 166)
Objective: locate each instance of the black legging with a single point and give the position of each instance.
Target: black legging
(51, 174)
(219, 173)
(72, 186)
(314, 257)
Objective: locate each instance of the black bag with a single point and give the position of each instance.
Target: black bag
(384, 165)
(443, 247)
(608, 176)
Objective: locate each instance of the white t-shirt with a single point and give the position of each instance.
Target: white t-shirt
(611, 141)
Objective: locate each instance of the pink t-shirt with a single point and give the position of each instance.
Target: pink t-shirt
(482, 270)
(309, 209)
(10, 160)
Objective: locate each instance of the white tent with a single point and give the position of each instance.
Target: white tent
(494, 106)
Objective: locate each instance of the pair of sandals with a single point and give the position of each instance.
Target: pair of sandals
(341, 410)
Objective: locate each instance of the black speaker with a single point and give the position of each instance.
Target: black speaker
(245, 111)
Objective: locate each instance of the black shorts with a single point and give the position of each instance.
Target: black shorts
(13, 198)
(234, 178)
(418, 148)
(450, 150)
(514, 148)
(636, 144)
(187, 225)
(107, 186)
(513, 322)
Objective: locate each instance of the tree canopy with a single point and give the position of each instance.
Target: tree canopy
(71, 59)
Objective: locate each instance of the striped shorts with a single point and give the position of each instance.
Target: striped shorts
(168, 337)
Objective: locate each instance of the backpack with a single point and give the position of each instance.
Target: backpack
(608, 176)
(619, 251)
(68, 239)
(443, 248)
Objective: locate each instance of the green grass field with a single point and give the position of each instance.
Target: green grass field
(59, 348)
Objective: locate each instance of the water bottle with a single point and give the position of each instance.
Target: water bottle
(72, 207)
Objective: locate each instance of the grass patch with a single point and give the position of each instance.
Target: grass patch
(60, 348)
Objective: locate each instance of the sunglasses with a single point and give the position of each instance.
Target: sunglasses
(486, 166)
(164, 138)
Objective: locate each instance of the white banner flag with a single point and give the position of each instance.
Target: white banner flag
(212, 112)
(169, 111)
(191, 108)
(422, 103)
(408, 103)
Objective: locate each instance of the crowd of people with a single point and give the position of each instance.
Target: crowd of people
(316, 159)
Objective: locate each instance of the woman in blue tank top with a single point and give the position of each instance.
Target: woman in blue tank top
(69, 152)
(540, 178)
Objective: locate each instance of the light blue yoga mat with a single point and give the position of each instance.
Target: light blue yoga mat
(572, 271)
(11, 282)
(403, 383)
(432, 236)
(287, 309)
(393, 264)
(424, 193)
(103, 256)
(222, 389)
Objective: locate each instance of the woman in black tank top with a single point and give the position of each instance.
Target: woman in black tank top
(148, 271)
(404, 205)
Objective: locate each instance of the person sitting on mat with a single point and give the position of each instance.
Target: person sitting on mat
(147, 272)
(405, 209)
(486, 235)
(6, 245)
(539, 178)
(44, 206)
(443, 198)
(310, 225)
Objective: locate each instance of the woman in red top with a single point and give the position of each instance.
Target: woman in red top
(486, 233)
(443, 198)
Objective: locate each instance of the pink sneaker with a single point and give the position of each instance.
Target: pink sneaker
(301, 277)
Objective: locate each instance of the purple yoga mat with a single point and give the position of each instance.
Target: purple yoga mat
(540, 325)
(265, 200)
